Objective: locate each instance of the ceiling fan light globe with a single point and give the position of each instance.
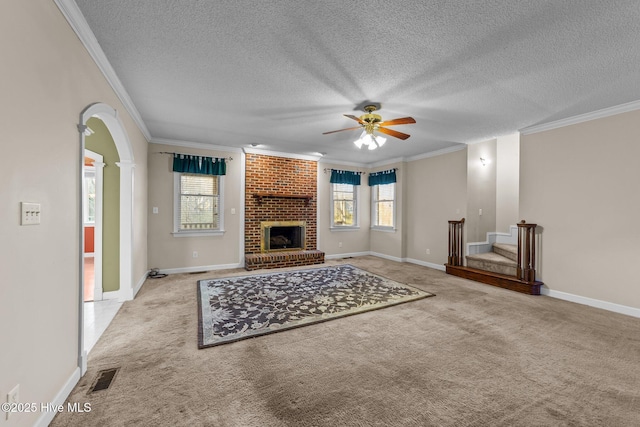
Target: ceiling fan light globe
(380, 140)
(358, 142)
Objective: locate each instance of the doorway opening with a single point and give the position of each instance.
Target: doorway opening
(95, 316)
(92, 189)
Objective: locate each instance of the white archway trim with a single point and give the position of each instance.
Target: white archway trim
(126, 292)
(110, 118)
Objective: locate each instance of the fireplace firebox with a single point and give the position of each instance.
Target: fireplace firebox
(282, 235)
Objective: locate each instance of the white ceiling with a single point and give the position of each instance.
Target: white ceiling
(279, 73)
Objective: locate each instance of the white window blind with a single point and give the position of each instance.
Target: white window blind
(384, 205)
(199, 202)
(344, 205)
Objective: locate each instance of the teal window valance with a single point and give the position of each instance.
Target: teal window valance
(345, 177)
(382, 177)
(199, 165)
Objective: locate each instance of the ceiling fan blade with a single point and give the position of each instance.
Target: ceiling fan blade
(357, 119)
(340, 130)
(402, 121)
(393, 133)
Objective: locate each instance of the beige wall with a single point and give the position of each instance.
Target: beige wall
(353, 241)
(167, 252)
(48, 78)
(436, 193)
(391, 243)
(579, 183)
(481, 191)
(507, 181)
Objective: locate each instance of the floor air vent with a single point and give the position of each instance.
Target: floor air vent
(104, 379)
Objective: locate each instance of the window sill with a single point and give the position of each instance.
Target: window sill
(203, 233)
(385, 229)
(344, 228)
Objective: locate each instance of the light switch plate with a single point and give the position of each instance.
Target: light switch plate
(30, 213)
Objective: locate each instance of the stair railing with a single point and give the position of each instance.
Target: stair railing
(526, 252)
(455, 243)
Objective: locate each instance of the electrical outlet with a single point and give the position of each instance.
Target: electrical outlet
(428, 251)
(13, 397)
(339, 244)
(195, 254)
(155, 209)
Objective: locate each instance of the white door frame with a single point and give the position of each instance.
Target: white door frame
(97, 233)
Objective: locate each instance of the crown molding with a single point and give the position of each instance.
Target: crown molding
(342, 163)
(437, 152)
(386, 162)
(198, 145)
(281, 154)
(79, 24)
(598, 114)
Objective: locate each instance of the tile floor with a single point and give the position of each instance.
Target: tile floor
(97, 316)
(89, 278)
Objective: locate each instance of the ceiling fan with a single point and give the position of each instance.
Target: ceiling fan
(370, 123)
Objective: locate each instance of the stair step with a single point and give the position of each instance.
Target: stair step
(491, 261)
(506, 250)
(495, 279)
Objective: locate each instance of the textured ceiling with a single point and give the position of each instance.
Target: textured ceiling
(279, 73)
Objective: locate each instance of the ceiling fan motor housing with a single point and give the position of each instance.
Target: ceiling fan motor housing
(370, 118)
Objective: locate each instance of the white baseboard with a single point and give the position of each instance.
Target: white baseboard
(440, 267)
(138, 285)
(347, 255)
(200, 268)
(46, 417)
(112, 295)
(385, 256)
(83, 362)
(605, 305)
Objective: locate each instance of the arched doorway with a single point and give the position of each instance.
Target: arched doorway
(109, 117)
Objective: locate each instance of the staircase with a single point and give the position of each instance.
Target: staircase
(503, 259)
(506, 266)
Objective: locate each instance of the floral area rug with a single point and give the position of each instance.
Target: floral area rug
(235, 308)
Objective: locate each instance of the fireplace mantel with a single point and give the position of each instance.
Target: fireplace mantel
(259, 196)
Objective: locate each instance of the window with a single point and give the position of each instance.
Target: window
(344, 209)
(198, 204)
(89, 195)
(383, 205)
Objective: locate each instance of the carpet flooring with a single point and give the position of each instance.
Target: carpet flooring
(235, 308)
(475, 355)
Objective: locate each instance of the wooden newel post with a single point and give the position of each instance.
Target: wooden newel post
(455, 242)
(526, 252)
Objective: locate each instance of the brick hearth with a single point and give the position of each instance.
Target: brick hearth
(280, 189)
(283, 259)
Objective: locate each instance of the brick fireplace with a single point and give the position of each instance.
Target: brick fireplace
(280, 192)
